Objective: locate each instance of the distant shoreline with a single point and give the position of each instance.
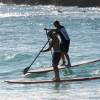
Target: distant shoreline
(79, 3)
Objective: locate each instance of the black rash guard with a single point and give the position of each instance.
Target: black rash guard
(63, 34)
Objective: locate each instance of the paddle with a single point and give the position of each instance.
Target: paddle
(47, 35)
(27, 68)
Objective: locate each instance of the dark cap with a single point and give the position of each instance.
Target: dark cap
(52, 33)
(56, 22)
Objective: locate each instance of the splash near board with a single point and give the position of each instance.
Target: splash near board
(51, 81)
(48, 69)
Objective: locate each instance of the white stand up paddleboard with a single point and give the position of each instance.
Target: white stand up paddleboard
(51, 81)
(48, 69)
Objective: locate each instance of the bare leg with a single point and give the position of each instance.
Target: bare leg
(68, 59)
(56, 72)
(55, 62)
(69, 64)
(63, 59)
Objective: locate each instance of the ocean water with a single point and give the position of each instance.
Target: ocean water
(22, 36)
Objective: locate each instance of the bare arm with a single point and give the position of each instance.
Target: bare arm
(48, 49)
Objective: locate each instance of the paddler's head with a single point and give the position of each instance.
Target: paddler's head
(52, 33)
(56, 23)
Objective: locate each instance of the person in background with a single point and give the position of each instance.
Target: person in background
(55, 45)
(65, 41)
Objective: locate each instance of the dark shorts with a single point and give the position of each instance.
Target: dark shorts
(65, 46)
(56, 59)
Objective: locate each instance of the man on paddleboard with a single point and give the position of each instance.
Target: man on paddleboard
(55, 44)
(65, 41)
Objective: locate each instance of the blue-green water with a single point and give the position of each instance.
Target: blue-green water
(21, 38)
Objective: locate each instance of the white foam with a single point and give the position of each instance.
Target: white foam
(4, 15)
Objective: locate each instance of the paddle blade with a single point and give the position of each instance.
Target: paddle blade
(26, 70)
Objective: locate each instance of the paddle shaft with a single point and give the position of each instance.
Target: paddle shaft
(48, 38)
(39, 53)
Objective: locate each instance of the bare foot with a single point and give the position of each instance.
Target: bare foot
(56, 79)
(63, 64)
(68, 65)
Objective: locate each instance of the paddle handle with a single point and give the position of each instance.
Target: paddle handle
(38, 54)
